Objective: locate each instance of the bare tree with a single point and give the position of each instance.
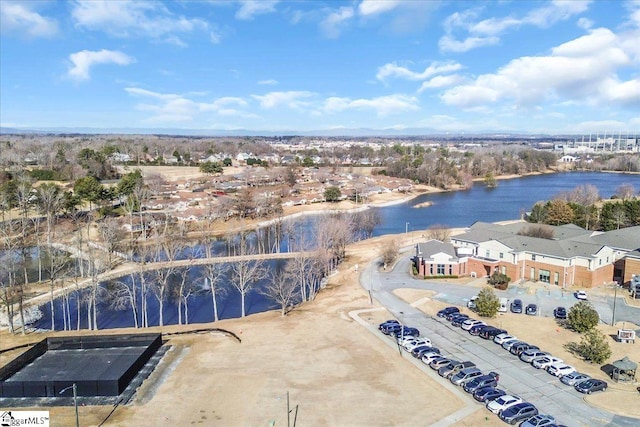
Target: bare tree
(58, 262)
(438, 232)
(538, 230)
(122, 295)
(245, 273)
(281, 289)
(367, 221)
(111, 233)
(167, 247)
(389, 251)
(625, 191)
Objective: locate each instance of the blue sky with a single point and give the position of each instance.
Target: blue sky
(448, 66)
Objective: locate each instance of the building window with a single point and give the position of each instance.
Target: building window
(555, 278)
(533, 274)
(450, 269)
(487, 253)
(501, 255)
(533, 257)
(544, 276)
(431, 269)
(600, 261)
(440, 269)
(504, 269)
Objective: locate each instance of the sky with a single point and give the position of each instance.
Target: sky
(454, 66)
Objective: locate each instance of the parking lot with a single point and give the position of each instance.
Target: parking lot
(536, 386)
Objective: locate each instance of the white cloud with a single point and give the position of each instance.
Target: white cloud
(126, 18)
(585, 23)
(438, 82)
(83, 61)
(18, 17)
(486, 32)
(290, 99)
(269, 82)
(335, 21)
(383, 105)
(375, 7)
(582, 70)
(250, 8)
(174, 108)
(396, 71)
(215, 37)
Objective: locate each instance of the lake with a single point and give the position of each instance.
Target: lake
(454, 209)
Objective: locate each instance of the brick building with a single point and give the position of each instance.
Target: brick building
(573, 256)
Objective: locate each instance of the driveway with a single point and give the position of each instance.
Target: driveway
(545, 391)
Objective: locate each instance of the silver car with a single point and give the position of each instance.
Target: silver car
(574, 378)
(529, 355)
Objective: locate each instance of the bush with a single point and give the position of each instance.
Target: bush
(487, 303)
(593, 347)
(582, 317)
(499, 280)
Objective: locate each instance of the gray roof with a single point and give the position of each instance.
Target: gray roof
(431, 247)
(569, 240)
(625, 364)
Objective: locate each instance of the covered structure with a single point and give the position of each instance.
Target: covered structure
(624, 370)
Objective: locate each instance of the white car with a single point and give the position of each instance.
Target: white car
(508, 343)
(472, 302)
(574, 378)
(544, 361)
(408, 339)
(427, 358)
(503, 402)
(560, 369)
(411, 345)
(470, 323)
(582, 295)
(500, 338)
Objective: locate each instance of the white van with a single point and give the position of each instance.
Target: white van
(504, 303)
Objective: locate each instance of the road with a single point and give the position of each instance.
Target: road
(545, 391)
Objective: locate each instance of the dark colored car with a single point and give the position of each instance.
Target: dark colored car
(475, 330)
(419, 351)
(487, 394)
(407, 331)
(489, 380)
(519, 412)
(457, 321)
(560, 313)
(516, 306)
(448, 310)
(490, 333)
(387, 323)
(531, 309)
(589, 386)
(517, 349)
(391, 328)
(455, 314)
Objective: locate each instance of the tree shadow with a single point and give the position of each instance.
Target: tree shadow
(607, 369)
(573, 348)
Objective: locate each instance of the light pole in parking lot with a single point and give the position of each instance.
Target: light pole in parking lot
(615, 298)
(401, 332)
(75, 400)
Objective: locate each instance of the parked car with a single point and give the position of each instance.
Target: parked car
(391, 329)
(410, 339)
(458, 320)
(489, 380)
(487, 394)
(503, 402)
(455, 314)
(407, 330)
(531, 309)
(439, 363)
(418, 352)
(560, 313)
(490, 333)
(529, 355)
(589, 386)
(447, 310)
(409, 346)
(560, 369)
(521, 411)
(427, 358)
(475, 330)
(516, 306)
(522, 346)
(386, 323)
(574, 378)
(500, 338)
(470, 323)
(581, 295)
(453, 367)
(544, 361)
(464, 375)
(472, 302)
(539, 420)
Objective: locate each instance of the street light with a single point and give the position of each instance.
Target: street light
(406, 228)
(401, 332)
(615, 298)
(75, 400)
